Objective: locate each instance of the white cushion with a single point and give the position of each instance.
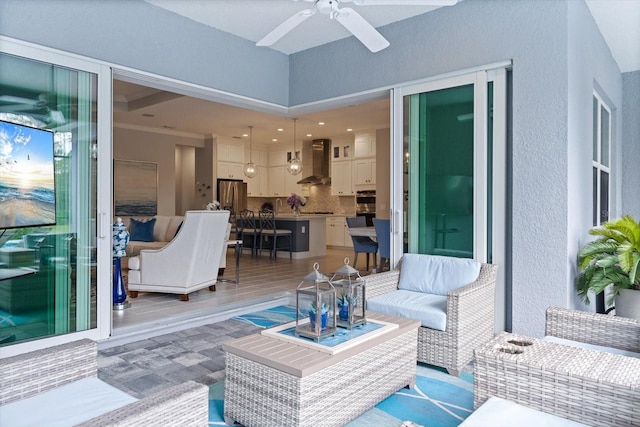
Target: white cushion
(429, 309)
(591, 346)
(66, 405)
(134, 263)
(434, 274)
(497, 412)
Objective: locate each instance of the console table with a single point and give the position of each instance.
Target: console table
(270, 381)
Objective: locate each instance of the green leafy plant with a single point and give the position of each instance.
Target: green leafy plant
(324, 307)
(612, 259)
(343, 299)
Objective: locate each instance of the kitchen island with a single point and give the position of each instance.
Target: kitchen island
(309, 234)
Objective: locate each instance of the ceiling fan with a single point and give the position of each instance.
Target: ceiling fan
(349, 18)
(36, 107)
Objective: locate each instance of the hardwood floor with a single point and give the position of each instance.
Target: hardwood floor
(263, 283)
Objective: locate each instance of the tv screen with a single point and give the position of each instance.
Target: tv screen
(27, 191)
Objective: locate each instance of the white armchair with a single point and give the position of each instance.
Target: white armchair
(188, 263)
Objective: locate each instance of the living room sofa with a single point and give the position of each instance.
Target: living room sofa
(59, 386)
(164, 230)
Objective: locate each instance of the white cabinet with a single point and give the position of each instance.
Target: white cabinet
(338, 232)
(277, 158)
(276, 181)
(365, 145)
(228, 170)
(342, 179)
(291, 182)
(260, 158)
(364, 173)
(230, 152)
(258, 186)
(341, 151)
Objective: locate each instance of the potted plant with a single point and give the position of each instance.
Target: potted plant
(613, 259)
(343, 304)
(313, 315)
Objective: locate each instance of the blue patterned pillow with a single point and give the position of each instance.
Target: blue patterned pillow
(141, 231)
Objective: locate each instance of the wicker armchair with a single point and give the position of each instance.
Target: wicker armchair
(29, 374)
(470, 319)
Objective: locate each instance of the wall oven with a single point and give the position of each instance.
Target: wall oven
(366, 205)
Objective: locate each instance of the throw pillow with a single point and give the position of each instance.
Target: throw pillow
(141, 231)
(435, 274)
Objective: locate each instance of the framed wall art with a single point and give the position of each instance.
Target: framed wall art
(135, 188)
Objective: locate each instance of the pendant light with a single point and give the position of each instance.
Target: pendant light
(294, 167)
(250, 169)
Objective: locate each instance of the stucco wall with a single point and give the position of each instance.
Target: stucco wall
(631, 143)
(136, 34)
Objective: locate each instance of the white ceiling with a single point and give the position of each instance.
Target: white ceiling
(618, 20)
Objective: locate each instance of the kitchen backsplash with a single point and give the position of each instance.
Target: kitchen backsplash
(319, 199)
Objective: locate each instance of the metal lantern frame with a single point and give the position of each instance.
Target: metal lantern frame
(348, 280)
(315, 291)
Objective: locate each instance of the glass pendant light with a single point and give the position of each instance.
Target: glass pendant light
(294, 167)
(250, 169)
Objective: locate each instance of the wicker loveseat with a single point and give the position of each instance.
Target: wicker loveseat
(35, 389)
(469, 318)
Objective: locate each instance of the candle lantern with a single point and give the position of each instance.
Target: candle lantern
(350, 291)
(316, 298)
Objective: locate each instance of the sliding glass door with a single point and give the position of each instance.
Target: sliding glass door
(448, 167)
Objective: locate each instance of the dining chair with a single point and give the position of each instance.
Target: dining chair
(247, 231)
(270, 234)
(383, 236)
(362, 244)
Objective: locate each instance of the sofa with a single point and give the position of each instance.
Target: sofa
(454, 299)
(164, 229)
(59, 386)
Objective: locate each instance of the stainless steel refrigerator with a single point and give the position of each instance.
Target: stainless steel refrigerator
(232, 194)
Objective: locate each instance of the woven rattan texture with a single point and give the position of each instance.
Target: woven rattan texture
(183, 405)
(594, 328)
(591, 387)
(470, 317)
(257, 395)
(28, 374)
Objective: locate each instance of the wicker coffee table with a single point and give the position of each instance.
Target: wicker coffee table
(274, 382)
(588, 386)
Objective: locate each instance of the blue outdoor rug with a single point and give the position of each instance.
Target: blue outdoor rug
(438, 399)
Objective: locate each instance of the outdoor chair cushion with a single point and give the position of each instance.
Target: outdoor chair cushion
(434, 274)
(573, 343)
(66, 405)
(430, 309)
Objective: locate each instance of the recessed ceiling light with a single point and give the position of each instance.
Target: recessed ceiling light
(349, 130)
(245, 135)
(275, 140)
(280, 129)
(321, 123)
(309, 134)
(148, 115)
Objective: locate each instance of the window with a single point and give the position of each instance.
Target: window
(601, 160)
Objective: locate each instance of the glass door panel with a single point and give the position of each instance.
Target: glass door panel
(439, 171)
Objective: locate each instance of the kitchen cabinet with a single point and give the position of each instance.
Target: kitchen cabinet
(276, 181)
(228, 170)
(231, 152)
(258, 186)
(365, 144)
(341, 151)
(338, 232)
(277, 158)
(260, 158)
(364, 173)
(291, 182)
(342, 179)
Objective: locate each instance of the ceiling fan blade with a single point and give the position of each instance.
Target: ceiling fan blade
(359, 27)
(403, 2)
(285, 27)
(18, 100)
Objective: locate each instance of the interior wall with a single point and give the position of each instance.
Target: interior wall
(131, 144)
(205, 173)
(630, 143)
(383, 171)
(185, 179)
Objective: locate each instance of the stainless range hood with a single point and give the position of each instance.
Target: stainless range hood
(320, 156)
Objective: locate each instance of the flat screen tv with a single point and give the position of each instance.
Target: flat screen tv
(27, 190)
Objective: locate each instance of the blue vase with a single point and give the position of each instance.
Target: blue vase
(344, 311)
(119, 291)
(323, 320)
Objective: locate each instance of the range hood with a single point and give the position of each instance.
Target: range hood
(320, 156)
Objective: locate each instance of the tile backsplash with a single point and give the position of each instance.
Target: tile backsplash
(319, 199)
